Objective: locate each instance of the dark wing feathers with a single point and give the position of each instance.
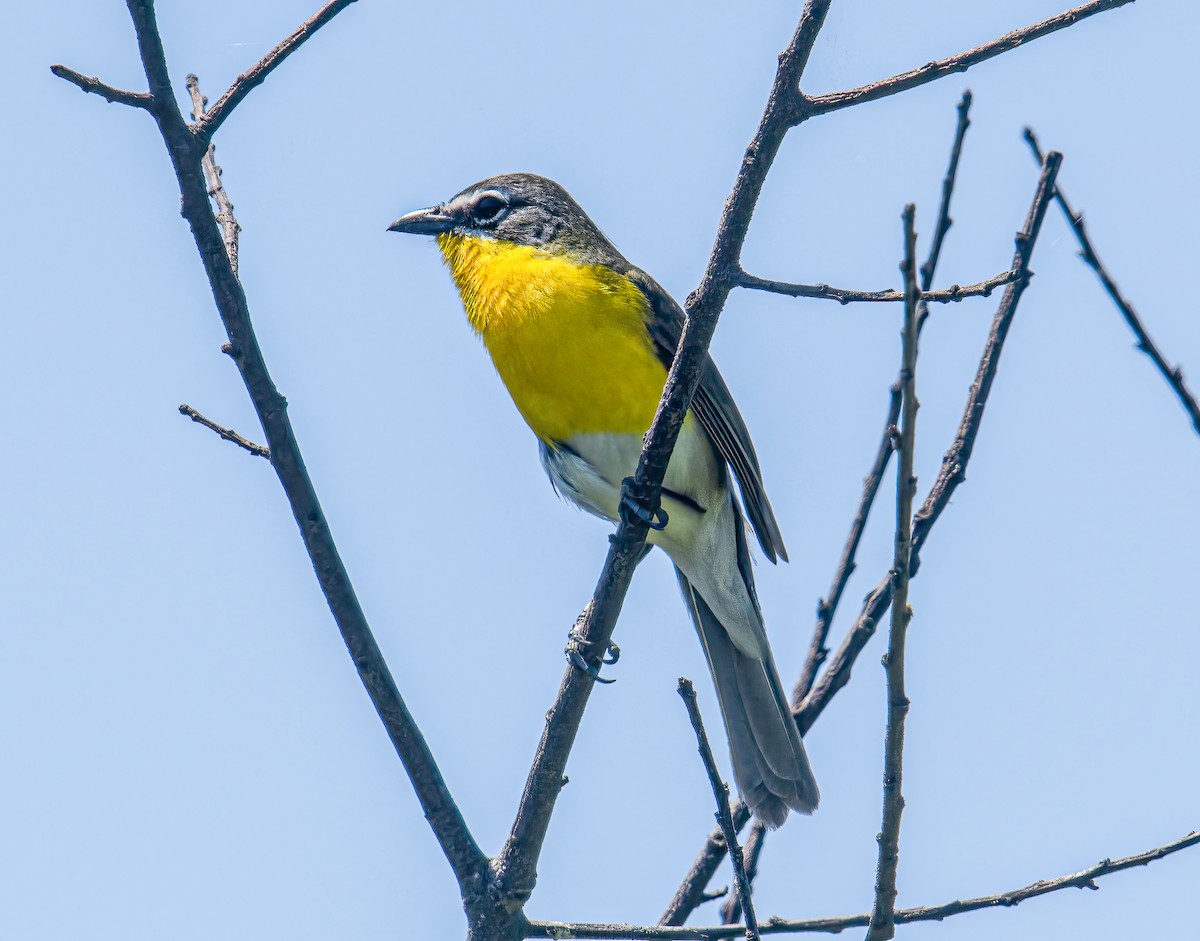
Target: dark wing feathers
(713, 405)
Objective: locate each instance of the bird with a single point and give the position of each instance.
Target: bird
(582, 340)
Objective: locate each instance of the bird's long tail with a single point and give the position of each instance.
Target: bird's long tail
(769, 761)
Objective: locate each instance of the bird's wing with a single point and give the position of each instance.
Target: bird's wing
(713, 405)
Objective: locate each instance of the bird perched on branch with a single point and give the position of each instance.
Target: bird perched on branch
(583, 340)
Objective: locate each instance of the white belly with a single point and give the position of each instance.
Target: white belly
(699, 536)
(589, 471)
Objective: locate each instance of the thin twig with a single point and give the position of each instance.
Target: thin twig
(691, 893)
(952, 294)
(1084, 879)
(466, 859)
(254, 76)
(731, 910)
(93, 85)
(227, 433)
(515, 868)
(720, 790)
(944, 222)
(827, 606)
(954, 465)
(882, 917)
(1173, 374)
(212, 173)
(931, 71)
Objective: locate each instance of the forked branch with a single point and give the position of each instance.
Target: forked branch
(827, 606)
(954, 464)
(186, 154)
(207, 125)
(216, 187)
(1084, 879)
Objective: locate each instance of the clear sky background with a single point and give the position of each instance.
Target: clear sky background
(188, 753)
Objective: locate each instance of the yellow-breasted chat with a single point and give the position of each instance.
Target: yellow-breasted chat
(582, 340)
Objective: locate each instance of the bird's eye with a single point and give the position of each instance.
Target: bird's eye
(489, 207)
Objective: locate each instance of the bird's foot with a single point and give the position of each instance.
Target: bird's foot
(575, 657)
(639, 502)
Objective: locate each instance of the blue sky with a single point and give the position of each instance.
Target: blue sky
(189, 753)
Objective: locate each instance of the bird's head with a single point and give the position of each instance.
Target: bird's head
(519, 208)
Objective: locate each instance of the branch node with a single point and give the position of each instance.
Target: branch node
(212, 174)
(206, 126)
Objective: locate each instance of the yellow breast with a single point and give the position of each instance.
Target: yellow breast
(568, 339)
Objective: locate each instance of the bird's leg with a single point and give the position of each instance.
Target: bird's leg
(638, 501)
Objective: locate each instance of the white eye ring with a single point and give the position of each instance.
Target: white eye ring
(489, 206)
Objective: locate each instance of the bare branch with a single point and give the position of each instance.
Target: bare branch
(1084, 879)
(952, 294)
(1173, 374)
(720, 790)
(205, 127)
(882, 917)
(467, 860)
(227, 433)
(93, 85)
(691, 892)
(212, 173)
(931, 71)
(515, 868)
(943, 219)
(731, 910)
(827, 606)
(954, 465)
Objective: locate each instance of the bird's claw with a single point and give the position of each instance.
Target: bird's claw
(639, 502)
(576, 658)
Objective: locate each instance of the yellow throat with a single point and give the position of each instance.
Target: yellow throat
(569, 339)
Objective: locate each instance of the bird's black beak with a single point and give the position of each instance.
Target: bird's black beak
(432, 221)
